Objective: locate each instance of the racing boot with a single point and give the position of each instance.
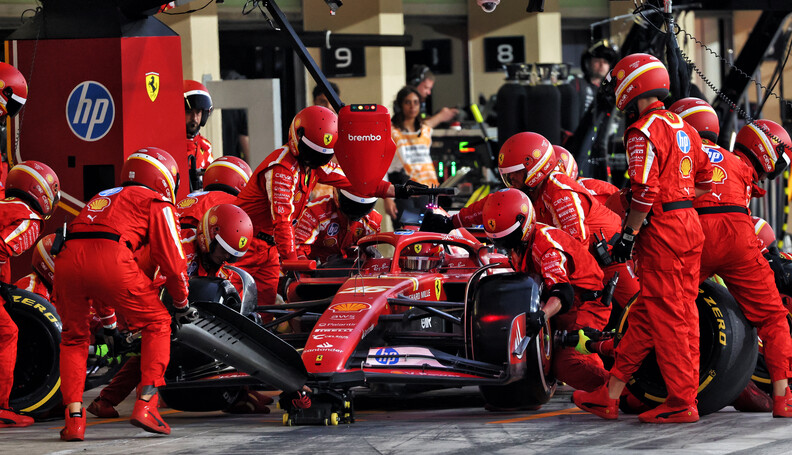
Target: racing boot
(101, 407)
(74, 427)
(753, 399)
(668, 414)
(782, 406)
(597, 402)
(145, 414)
(9, 418)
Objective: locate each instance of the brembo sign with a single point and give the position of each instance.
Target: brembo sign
(364, 138)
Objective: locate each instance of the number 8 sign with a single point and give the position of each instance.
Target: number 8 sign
(503, 50)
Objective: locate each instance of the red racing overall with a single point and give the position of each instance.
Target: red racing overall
(667, 164)
(274, 198)
(324, 232)
(724, 218)
(103, 271)
(33, 283)
(600, 189)
(192, 208)
(19, 228)
(201, 149)
(559, 258)
(565, 204)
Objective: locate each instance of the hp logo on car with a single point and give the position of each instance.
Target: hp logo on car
(90, 111)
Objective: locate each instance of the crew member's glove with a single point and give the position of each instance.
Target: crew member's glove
(115, 341)
(434, 222)
(185, 314)
(583, 339)
(622, 249)
(408, 188)
(782, 277)
(535, 321)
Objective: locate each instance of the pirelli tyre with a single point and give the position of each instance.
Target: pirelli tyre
(498, 300)
(37, 381)
(728, 356)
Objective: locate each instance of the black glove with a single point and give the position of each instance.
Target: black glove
(782, 276)
(403, 191)
(115, 341)
(535, 321)
(185, 314)
(434, 222)
(622, 249)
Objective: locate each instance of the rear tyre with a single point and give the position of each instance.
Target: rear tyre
(37, 380)
(728, 349)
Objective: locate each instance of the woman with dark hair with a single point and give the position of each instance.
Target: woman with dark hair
(412, 160)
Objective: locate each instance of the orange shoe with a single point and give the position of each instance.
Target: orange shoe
(100, 407)
(597, 402)
(74, 428)
(146, 416)
(668, 414)
(9, 418)
(782, 406)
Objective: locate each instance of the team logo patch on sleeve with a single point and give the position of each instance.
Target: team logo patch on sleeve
(98, 204)
(187, 202)
(685, 167)
(683, 141)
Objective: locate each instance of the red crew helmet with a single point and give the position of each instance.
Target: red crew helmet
(196, 96)
(35, 183)
(638, 76)
(566, 162)
(13, 90)
(700, 115)
(227, 173)
(312, 135)
(764, 232)
(509, 217)
(529, 151)
(42, 261)
(229, 227)
(767, 145)
(153, 168)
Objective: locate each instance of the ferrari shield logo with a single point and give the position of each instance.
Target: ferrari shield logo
(328, 138)
(152, 85)
(417, 248)
(438, 288)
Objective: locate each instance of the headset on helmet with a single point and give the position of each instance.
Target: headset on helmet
(229, 227)
(42, 261)
(153, 168)
(509, 218)
(600, 49)
(767, 145)
(196, 96)
(529, 151)
(14, 92)
(354, 207)
(227, 173)
(700, 115)
(312, 135)
(566, 162)
(35, 183)
(637, 76)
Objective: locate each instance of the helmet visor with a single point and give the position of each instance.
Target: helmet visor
(14, 103)
(781, 164)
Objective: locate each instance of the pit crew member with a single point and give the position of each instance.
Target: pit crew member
(43, 265)
(197, 109)
(569, 272)
(668, 169)
(97, 265)
(223, 180)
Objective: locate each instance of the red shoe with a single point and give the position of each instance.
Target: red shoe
(74, 429)
(668, 414)
(753, 399)
(9, 418)
(251, 402)
(100, 407)
(782, 406)
(597, 402)
(630, 404)
(146, 416)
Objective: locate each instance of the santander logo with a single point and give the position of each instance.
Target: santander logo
(364, 138)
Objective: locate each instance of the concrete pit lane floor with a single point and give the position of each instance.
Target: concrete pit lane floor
(440, 422)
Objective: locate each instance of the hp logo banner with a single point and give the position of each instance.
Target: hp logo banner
(90, 111)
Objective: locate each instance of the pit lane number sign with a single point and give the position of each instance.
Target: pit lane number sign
(503, 50)
(344, 62)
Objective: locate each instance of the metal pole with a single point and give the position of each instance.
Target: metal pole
(302, 52)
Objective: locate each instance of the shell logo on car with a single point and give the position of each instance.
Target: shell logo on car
(349, 307)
